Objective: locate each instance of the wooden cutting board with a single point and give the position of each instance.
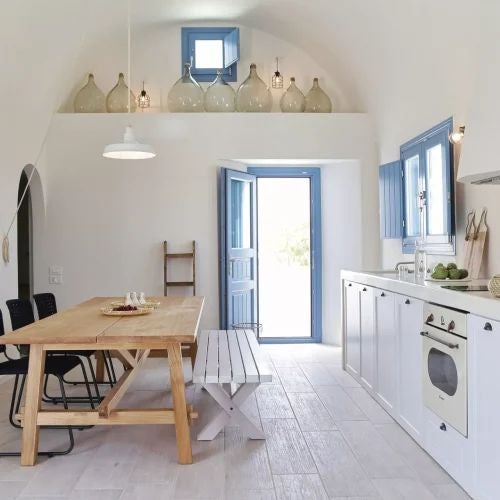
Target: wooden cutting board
(478, 246)
(470, 231)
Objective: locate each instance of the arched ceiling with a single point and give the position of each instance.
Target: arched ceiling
(382, 52)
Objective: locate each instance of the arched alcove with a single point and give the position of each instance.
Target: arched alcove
(29, 217)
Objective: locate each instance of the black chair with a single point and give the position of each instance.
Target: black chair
(21, 315)
(46, 306)
(57, 366)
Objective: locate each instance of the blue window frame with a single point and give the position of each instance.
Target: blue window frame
(314, 174)
(428, 191)
(229, 48)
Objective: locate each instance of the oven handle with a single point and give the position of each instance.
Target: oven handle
(437, 339)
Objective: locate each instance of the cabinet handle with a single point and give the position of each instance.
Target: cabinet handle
(382, 294)
(364, 289)
(488, 327)
(350, 284)
(407, 301)
(443, 427)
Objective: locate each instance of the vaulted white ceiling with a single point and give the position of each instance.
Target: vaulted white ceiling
(384, 53)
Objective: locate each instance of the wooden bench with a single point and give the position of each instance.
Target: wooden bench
(226, 359)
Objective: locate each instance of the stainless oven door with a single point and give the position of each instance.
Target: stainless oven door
(445, 376)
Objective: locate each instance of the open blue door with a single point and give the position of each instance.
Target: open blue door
(237, 247)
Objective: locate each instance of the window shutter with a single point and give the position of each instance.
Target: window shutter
(231, 47)
(390, 195)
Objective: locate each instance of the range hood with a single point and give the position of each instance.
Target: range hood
(480, 159)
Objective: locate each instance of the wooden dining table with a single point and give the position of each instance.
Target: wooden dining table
(84, 327)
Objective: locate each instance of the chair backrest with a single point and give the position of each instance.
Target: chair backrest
(2, 332)
(21, 313)
(45, 304)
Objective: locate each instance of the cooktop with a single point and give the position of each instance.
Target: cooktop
(467, 288)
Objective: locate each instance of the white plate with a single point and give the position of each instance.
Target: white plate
(448, 281)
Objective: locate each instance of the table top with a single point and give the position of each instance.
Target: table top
(175, 320)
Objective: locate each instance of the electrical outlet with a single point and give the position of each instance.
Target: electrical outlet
(55, 280)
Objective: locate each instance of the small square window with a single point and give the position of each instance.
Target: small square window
(208, 54)
(211, 49)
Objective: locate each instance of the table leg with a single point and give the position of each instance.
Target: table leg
(99, 371)
(184, 451)
(36, 369)
(193, 349)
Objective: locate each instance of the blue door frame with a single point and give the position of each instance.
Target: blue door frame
(314, 174)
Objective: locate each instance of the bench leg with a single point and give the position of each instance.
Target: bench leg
(230, 410)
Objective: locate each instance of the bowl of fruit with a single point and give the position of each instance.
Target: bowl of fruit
(449, 273)
(125, 310)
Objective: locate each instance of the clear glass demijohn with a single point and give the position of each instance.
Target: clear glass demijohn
(118, 98)
(253, 94)
(220, 97)
(90, 98)
(317, 101)
(186, 95)
(293, 100)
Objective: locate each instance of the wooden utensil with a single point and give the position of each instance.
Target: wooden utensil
(470, 231)
(478, 246)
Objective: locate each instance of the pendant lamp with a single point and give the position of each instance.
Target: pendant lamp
(130, 148)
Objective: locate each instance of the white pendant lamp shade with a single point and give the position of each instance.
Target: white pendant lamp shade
(129, 149)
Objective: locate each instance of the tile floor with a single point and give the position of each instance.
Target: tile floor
(326, 439)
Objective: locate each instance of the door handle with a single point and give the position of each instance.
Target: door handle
(438, 340)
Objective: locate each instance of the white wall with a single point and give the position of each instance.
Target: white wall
(342, 232)
(106, 219)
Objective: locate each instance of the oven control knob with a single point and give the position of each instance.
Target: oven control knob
(443, 426)
(451, 326)
(430, 318)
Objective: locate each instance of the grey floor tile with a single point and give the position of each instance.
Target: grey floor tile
(299, 487)
(288, 452)
(429, 471)
(310, 412)
(339, 404)
(341, 473)
(402, 489)
(378, 459)
(342, 377)
(318, 374)
(293, 379)
(375, 413)
(272, 402)
(448, 492)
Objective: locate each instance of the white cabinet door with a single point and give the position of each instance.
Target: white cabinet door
(352, 316)
(387, 361)
(409, 320)
(484, 429)
(367, 333)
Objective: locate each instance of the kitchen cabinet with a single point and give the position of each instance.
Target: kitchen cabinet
(409, 317)
(368, 337)
(386, 341)
(352, 318)
(484, 425)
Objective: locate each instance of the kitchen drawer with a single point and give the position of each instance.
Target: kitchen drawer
(449, 448)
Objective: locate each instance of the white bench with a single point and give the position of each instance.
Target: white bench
(225, 358)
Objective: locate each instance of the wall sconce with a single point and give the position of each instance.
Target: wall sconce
(143, 99)
(456, 137)
(277, 79)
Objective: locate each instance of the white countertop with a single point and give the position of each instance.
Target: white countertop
(480, 303)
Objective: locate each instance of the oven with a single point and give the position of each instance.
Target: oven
(444, 370)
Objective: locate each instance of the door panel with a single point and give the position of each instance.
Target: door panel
(238, 265)
(352, 328)
(367, 334)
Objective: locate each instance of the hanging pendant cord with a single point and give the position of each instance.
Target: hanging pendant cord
(128, 54)
(5, 241)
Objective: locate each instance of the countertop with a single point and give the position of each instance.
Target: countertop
(479, 303)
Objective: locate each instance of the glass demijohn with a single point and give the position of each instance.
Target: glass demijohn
(118, 97)
(186, 95)
(293, 100)
(317, 101)
(220, 96)
(90, 98)
(253, 94)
